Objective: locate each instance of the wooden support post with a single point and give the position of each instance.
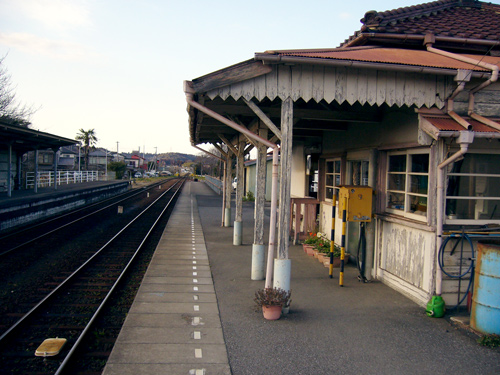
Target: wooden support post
(229, 188)
(240, 169)
(260, 190)
(286, 177)
(240, 185)
(35, 186)
(9, 172)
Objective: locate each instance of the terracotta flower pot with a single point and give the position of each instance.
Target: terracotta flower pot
(310, 250)
(272, 312)
(336, 262)
(322, 257)
(306, 247)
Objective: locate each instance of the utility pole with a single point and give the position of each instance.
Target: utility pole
(156, 159)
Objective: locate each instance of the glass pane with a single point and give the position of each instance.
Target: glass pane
(418, 205)
(473, 209)
(337, 166)
(470, 186)
(397, 182)
(329, 193)
(364, 173)
(329, 180)
(478, 163)
(337, 180)
(418, 184)
(396, 201)
(397, 163)
(329, 167)
(420, 163)
(356, 172)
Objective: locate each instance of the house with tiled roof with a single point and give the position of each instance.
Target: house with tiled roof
(409, 106)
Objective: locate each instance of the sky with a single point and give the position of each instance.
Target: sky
(118, 66)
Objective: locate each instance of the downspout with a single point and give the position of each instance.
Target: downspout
(274, 197)
(465, 138)
(475, 116)
(429, 40)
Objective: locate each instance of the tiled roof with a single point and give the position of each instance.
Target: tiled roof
(447, 18)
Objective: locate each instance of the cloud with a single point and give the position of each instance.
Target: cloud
(345, 16)
(60, 50)
(56, 14)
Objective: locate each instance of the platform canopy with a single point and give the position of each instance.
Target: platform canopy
(25, 139)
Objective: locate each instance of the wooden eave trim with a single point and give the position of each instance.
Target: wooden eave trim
(240, 72)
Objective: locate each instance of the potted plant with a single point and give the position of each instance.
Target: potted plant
(309, 243)
(272, 301)
(322, 246)
(336, 257)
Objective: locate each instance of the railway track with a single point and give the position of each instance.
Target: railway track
(74, 306)
(18, 238)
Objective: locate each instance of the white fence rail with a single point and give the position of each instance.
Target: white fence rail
(46, 179)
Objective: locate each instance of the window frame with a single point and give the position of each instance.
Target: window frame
(333, 174)
(407, 193)
(470, 221)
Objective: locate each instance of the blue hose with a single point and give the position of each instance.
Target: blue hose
(470, 269)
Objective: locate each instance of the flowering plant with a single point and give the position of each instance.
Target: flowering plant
(312, 239)
(323, 245)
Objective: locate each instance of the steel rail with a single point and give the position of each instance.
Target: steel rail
(49, 296)
(75, 346)
(74, 221)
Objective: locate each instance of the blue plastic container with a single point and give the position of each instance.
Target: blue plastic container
(485, 313)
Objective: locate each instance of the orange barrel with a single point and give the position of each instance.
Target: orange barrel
(485, 313)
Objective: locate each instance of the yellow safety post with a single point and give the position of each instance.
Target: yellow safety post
(332, 242)
(342, 247)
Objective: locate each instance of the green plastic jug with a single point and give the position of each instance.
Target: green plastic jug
(435, 307)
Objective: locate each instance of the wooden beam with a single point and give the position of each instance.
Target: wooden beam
(228, 144)
(266, 120)
(240, 72)
(222, 152)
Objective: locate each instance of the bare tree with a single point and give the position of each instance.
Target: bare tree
(10, 109)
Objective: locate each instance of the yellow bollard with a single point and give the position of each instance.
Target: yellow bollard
(332, 238)
(342, 246)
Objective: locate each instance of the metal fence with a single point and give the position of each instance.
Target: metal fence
(46, 179)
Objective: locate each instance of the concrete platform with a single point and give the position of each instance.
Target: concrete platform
(173, 326)
(25, 206)
(360, 328)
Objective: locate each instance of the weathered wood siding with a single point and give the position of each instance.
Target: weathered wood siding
(344, 84)
(486, 101)
(406, 255)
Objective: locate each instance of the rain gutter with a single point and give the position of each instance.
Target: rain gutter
(188, 90)
(277, 59)
(422, 37)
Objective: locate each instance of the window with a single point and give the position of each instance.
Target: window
(358, 173)
(473, 191)
(408, 183)
(332, 178)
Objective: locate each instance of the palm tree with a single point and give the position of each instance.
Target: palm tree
(89, 140)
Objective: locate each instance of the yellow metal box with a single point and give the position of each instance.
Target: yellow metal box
(357, 201)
